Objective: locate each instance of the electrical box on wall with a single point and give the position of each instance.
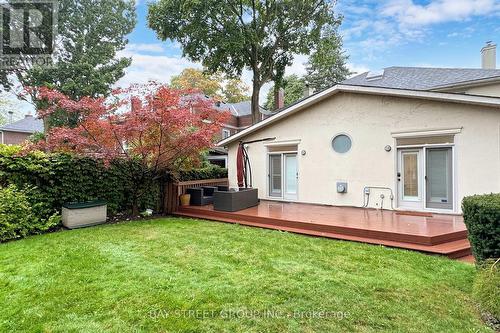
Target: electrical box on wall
(341, 187)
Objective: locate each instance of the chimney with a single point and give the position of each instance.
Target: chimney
(11, 113)
(308, 91)
(489, 56)
(279, 99)
(28, 115)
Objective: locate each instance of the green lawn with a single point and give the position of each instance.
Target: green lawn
(180, 275)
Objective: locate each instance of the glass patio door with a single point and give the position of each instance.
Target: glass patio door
(410, 178)
(290, 176)
(275, 178)
(283, 174)
(439, 182)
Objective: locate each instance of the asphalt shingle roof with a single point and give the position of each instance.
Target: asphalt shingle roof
(29, 124)
(421, 78)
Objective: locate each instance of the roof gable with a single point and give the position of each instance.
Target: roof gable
(304, 103)
(28, 124)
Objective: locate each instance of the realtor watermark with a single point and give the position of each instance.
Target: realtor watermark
(28, 30)
(157, 314)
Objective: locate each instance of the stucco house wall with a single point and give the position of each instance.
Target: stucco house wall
(370, 121)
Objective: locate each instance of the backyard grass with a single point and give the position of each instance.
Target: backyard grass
(181, 275)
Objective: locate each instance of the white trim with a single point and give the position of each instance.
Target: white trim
(425, 133)
(1, 132)
(427, 95)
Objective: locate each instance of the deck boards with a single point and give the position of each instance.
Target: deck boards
(435, 234)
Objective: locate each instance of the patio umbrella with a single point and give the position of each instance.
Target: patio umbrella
(240, 165)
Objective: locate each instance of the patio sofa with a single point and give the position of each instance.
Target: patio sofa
(232, 200)
(201, 196)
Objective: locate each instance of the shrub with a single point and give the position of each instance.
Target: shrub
(482, 218)
(208, 172)
(19, 215)
(486, 288)
(59, 178)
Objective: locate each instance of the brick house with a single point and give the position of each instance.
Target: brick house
(17, 132)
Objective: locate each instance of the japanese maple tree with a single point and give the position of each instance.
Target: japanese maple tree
(161, 128)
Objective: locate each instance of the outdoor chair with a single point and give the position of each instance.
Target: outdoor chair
(201, 196)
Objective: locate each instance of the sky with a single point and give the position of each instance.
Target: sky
(376, 34)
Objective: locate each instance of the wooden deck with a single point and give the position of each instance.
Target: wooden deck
(430, 233)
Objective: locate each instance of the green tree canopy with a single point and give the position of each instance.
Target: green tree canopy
(229, 36)
(327, 63)
(90, 33)
(294, 87)
(214, 85)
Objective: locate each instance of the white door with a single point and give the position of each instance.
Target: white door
(410, 176)
(275, 175)
(291, 175)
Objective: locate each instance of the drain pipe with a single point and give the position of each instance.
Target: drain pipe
(366, 195)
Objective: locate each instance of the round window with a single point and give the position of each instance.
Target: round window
(341, 143)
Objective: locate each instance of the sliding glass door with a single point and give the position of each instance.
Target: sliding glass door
(425, 178)
(283, 174)
(439, 178)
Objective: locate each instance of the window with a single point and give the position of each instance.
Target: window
(226, 133)
(341, 143)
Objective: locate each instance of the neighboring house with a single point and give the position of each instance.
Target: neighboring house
(241, 118)
(17, 132)
(417, 139)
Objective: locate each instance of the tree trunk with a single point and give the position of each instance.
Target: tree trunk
(256, 116)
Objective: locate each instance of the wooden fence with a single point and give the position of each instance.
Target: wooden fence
(174, 189)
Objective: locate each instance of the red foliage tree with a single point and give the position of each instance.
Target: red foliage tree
(161, 128)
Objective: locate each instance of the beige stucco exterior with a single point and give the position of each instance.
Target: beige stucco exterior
(371, 121)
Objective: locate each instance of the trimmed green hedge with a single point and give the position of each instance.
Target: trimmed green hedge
(20, 213)
(208, 172)
(482, 218)
(61, 178)
(486, 288)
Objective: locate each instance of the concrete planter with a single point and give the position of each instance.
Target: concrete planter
(84, 214)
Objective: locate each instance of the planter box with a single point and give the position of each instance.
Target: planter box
(84, 214)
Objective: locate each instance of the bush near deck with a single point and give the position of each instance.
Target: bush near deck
(486, 289)
(482, 218)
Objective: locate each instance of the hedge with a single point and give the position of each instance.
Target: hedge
(21, 213)
(61, 178)
(208, 172)
(482, 218)
(486, 290)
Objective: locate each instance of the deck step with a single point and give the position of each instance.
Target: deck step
(330, 228)
(453, 248)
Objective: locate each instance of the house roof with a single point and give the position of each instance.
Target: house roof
(421, 78)
(313, 99)
(239, 109)
(29, 124)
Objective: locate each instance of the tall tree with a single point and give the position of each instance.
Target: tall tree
(327, 63)
(230, 90)
(294, 87)
(192, 78)
(229, 36)
(90, 33)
